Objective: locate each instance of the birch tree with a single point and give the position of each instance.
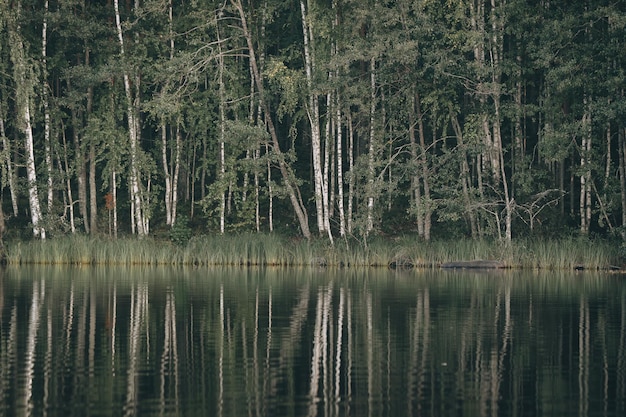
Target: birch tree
(313, 113)
(46, 107)
(138, 214)
(24, 82)
(170, 160)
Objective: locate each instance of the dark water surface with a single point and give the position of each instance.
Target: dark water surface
(264, 342)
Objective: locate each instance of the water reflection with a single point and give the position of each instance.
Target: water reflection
(85, 341)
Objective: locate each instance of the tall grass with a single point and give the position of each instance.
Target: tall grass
(276, 250)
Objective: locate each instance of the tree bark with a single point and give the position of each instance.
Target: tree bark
(221, 175)
(621, 137)
(93, 187)
(9, 164)
(351, 174)
(166, 174)
(465, 175)
(340, 196)
(585, 177)
(135, 192)
(423, 162)
(24, 80)
(320, 186)
(46, 107)
(64, 169)
(371, 151)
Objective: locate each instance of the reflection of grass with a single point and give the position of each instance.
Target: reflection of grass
(275, 250)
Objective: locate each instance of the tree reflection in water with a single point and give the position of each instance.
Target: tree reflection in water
(310, 343)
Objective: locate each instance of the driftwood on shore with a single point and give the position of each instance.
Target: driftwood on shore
(478, 264)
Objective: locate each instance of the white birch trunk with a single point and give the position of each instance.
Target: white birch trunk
(222, 137)
(171, 165)
(174, 187)
(255, 154)
(351, 172)
(173, 198)
(31, 174)
(257, 206)
(328, 147)
(497, 45)
(340, 207)
(46, 109)
(314, 119)
(114, 193)
(24, 80)
(270, 192)
(166, 174)
(371, 150)
(135, 193)
(621, 138)
(585, 177)
(93, 190)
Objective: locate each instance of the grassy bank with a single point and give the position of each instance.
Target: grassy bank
(275, 250)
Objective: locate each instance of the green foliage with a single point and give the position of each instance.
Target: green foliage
(287, 84)
(542, 76)
(181, 232)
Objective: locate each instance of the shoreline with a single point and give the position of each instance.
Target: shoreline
(272, 250)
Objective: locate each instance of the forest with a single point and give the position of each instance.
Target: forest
(323, 119)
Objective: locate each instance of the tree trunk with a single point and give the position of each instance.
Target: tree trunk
(221, 175)
(497, 27)
(424, 168)
(166, 174)
(9, 164)
(81, 172)
(465, 175)
(585, 176)
(320, 186)
(508, 200)
(339, 136)
(64, 169)
(340, 197)
(416, 193)
(46, 107)
(622, 176)
(24, 80)
(31, 174)
(371, 151)
(93, 188)
(114, 192)
(135, 192)
(350, 172)
(174, 187)
(285, 170)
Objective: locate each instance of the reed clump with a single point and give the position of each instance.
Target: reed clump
(259, 249)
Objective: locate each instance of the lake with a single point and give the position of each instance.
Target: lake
(89, 341)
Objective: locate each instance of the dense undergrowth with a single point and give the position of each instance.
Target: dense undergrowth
(275, 250)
